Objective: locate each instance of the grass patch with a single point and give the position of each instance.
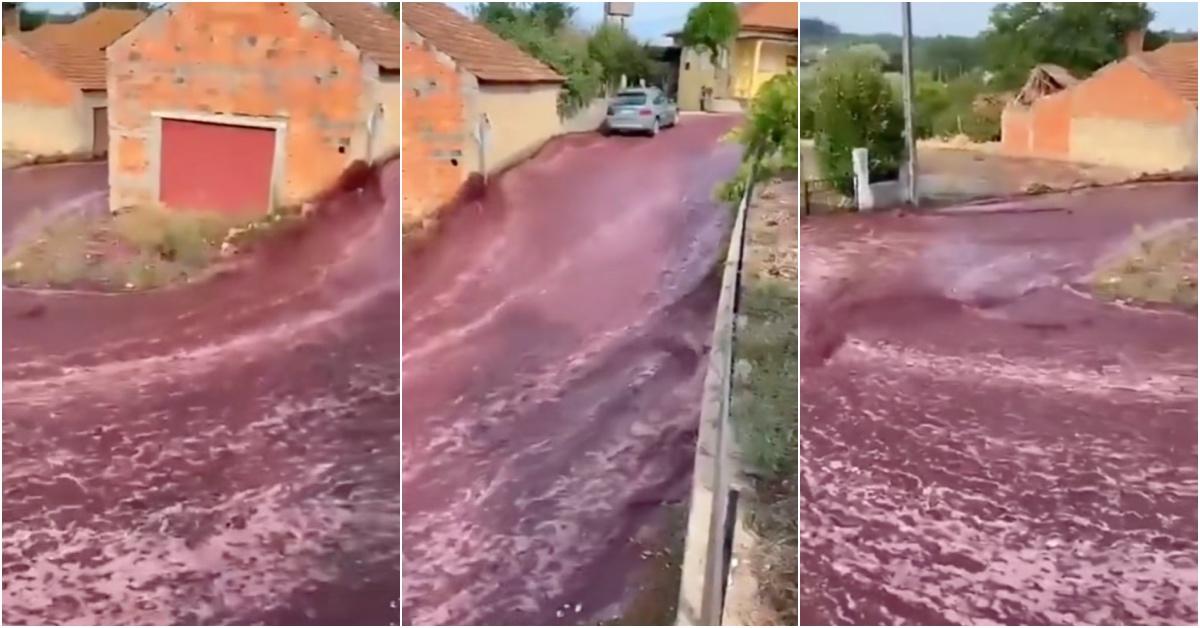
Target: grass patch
(763, 414)
(135, 249)
(16, 159)
(1160, 270)
(732, 190)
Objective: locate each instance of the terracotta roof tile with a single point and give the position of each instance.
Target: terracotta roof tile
(367, 26)
(771, 16)
(479, 50)
(48, 29)
(83, 66)
(1173, 65)
(76, 49)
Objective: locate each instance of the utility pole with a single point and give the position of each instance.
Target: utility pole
(910, 140)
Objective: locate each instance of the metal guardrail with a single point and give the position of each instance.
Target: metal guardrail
(713, 504)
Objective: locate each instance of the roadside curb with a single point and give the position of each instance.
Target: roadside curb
(742, 601)
(712, 510)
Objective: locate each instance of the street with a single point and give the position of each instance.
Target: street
(223, 452)
(982, 442)
(554, 344)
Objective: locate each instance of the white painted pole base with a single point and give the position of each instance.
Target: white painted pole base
(862, 181)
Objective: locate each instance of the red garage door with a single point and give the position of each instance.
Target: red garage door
(216, 167)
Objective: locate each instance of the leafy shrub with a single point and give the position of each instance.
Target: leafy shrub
(931, 100)
(732, 190)
(771, 126)
(769, 133)
(983, 125)
(960, 107)
(583, 81)
(856, 108)
(808, 103)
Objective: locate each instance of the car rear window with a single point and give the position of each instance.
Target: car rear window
(635, 98)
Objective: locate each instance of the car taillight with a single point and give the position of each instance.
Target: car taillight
(645, 112)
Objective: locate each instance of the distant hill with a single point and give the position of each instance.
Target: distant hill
(945, 56)
(817, 31)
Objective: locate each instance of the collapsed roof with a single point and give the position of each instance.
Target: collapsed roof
(1044, 80)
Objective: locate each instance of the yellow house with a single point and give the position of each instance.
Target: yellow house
(766, 45)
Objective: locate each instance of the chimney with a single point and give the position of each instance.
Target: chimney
(12, 18)
(1135, 41)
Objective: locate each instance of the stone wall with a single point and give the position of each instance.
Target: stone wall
(434, 151)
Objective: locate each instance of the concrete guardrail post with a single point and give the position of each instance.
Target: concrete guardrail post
(864, 199)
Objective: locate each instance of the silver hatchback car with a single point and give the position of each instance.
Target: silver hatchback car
(640, 110)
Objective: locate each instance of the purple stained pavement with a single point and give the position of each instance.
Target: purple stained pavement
(224, 452)
(983, 442)
(554, 342)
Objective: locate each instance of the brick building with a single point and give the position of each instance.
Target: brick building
(1137, 113)
(55, 100)
(457, 74)
(241, 107)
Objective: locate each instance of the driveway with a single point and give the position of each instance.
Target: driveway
(34, 196)
(954, 174)
(226, 452)
(554, 343)
(980, 441)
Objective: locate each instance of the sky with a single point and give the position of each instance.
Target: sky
(55, 7)
(956, 18)
(650, 20)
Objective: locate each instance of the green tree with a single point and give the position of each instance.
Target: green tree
(931, 100)
(873, 52)
(1080, 36)
(88, 7)
(553, 15)
(710, 26)
(559, 49)
(31, 19)
(393, 8)
(947, 57)
(494, 13)
(856, 108)
(618, 54)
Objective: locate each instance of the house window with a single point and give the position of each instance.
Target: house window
(687, 65)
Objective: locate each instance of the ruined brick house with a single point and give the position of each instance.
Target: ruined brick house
(55, 100)
(459, 77)
(1137, 113)
(244, 107)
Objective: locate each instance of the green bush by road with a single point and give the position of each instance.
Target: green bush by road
(856, 107)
